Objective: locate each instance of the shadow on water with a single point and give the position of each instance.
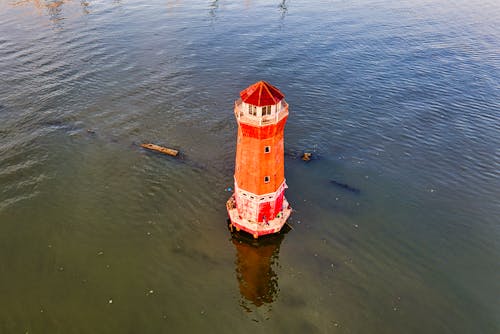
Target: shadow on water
(256, 261)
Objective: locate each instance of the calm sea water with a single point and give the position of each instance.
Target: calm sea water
(400, 100)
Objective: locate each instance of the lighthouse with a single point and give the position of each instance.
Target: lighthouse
(258, 205)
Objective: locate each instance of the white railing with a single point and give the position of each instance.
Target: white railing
(244, 117)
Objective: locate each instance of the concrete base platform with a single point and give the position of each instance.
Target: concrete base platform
(257, 229)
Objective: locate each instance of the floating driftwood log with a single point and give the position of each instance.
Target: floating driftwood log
(160, 149)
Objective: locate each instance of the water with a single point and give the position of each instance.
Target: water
(400, 100)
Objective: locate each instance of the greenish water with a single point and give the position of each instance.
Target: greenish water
(399, 100)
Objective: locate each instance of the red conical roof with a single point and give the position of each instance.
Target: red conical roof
(261, 94)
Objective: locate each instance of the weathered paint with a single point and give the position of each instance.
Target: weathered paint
(258, 205)
(253, 164)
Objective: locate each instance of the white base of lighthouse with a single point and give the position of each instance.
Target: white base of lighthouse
(257, 229)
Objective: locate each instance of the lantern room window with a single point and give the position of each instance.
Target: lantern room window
(252, 110)
(266, 110)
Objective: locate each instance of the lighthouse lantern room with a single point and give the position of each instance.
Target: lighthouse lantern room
(258, 205)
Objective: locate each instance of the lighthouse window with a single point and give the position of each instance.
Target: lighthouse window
(266, 179)
(266, 110)
(267, 149)
(252, 110)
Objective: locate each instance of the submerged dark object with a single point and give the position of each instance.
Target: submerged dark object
(345, 186)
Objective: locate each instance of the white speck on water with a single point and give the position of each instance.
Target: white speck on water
(110, 301)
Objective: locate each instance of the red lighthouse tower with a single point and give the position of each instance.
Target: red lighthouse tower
(258, 205)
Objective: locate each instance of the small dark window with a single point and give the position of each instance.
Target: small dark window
(267, 149)
(266, 110)
(266, 179)
(252, 110)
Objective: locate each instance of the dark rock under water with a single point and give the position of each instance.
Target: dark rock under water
(345, 186)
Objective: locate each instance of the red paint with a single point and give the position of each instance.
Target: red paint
(261, 94)
(263, 132)
(266, 211)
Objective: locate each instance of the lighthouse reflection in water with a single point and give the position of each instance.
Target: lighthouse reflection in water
(256, 265)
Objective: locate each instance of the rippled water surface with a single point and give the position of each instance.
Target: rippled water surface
(400, 100)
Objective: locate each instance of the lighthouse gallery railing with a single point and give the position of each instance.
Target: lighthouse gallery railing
(245, 117)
